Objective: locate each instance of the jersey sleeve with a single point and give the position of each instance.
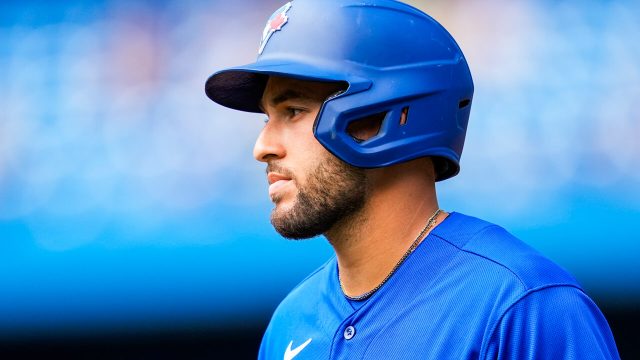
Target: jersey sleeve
(558, 322)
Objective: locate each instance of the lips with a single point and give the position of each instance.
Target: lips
(277, 182)
(274, 177)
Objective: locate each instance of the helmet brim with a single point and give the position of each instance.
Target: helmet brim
(241, 87)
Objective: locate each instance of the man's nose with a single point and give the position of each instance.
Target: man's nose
(268, 145)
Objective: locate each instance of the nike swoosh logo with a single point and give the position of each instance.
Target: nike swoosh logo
(290, 354)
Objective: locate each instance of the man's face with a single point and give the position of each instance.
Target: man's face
(311, 188)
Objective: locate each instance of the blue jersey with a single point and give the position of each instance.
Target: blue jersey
(469, 291)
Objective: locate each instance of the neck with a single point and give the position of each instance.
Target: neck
(369, 243)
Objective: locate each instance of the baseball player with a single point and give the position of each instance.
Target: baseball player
(366, 105)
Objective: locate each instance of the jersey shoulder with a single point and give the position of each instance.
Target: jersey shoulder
(494, 247)
(474, 270)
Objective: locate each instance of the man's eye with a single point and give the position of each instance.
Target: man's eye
(294, 111)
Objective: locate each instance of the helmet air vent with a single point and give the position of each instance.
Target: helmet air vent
(404, 116)
(367, 127)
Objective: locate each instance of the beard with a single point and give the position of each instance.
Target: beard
(334, 190)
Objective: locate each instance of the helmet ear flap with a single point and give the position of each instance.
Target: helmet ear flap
(371, 129)
(362, 135)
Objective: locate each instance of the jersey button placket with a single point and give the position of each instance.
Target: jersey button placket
(349, 332)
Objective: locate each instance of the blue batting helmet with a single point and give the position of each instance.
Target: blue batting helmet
(393, 59)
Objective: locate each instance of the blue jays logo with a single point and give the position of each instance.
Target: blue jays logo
(275, 23)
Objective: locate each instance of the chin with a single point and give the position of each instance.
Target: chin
(282, 206)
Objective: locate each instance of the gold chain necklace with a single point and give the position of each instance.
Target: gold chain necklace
(413, 246)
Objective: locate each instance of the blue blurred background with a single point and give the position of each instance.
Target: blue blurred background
(131, 206)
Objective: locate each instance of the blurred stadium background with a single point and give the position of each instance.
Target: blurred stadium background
(134, 221)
